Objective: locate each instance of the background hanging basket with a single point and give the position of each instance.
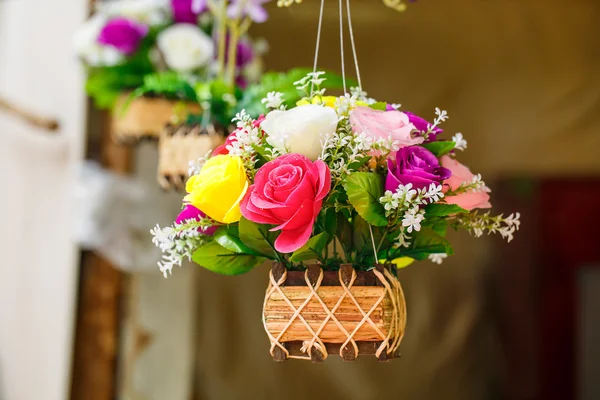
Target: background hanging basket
(314, 313)
(146, 117)
(180, 144)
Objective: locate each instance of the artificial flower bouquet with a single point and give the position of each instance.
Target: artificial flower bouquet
(337, 189)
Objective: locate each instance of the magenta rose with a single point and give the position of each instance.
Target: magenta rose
(123, 34)
(190, 212)
(422, 125)
(187, 11)
(415, 165)
(288, 192)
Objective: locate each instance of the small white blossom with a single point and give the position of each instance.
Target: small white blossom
(273, 100)
(412, 219)
(459, 142)
(437, 258)
(403, 240)
(442, 115)
(434, 193)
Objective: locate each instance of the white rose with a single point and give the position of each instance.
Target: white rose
(185, 47)
(85, 42)
(301, 129)
(151, 12)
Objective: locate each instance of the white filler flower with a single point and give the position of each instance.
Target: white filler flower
(301, 129)
(185, 47)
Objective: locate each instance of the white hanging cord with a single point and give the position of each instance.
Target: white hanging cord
(342, 44)
(374, 247)
(318, 42)
(353, 45)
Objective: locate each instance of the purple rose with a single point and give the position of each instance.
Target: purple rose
(244, 52)
(423, 125)
(415, 165)
(191, 212)
(123, 34)
(187, 11)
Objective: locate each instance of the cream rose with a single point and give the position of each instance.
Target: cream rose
(301, 129)
(185, 47)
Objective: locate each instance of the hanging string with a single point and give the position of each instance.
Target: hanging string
(342, 45)
(318, 43)
(353, 45)
(374, 247)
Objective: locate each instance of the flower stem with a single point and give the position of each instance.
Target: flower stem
(232, 51)
(222, 33)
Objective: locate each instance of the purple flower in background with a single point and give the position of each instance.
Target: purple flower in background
(187, 11)
(415, 165)
(423, 125)
(250, 8)
(191, 212)
(123, 34)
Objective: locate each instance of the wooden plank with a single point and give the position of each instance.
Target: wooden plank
(97, 331)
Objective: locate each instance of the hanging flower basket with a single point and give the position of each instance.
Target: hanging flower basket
(330, 184)
(146, 117)
(178, 145)
(313, 314)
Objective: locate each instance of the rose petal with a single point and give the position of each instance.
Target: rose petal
(291, 240)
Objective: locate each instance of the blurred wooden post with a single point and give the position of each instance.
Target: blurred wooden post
(101, 291)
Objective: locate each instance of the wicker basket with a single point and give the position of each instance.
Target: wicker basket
(180, 144)
(311, 314)
(146, 117)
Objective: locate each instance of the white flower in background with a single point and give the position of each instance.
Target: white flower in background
(185, 47)
(301, 129)
(437, 258)
(459, 142)
(85, 42)
(151, 12)
(273, 100)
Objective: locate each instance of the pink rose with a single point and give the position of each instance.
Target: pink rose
(384, 125)
(222, 149)
(460, 174)
(288, 192)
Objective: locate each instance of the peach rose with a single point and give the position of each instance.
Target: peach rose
(460, 174)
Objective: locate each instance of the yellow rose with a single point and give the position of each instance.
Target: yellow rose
(219, 187)
(327, 101)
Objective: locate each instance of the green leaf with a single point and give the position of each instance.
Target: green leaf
(228, 237)
(217, 258)
(344, 233)
(442, 210)
(327, 221)
(426, 242)
(312, 250)
(380, 105)
(439, 148)
(439, 225)
(258, 238)
(364, 190)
